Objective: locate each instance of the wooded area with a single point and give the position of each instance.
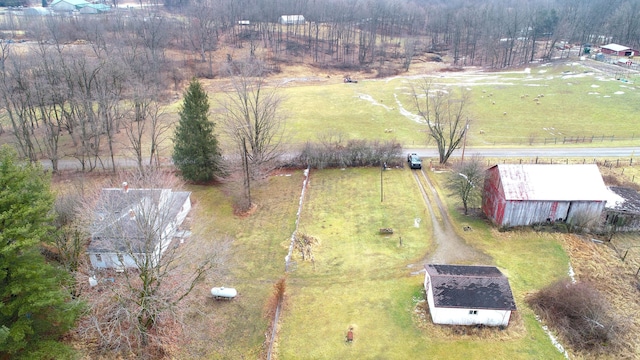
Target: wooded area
(77, 81)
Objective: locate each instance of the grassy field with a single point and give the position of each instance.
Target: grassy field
(576, 101)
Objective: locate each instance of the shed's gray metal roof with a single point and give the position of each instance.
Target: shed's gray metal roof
(470, 287)
(545, 182)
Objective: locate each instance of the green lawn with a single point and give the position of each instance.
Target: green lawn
(361, 278)
(576, 102)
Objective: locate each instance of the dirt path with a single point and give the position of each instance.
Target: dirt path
(450, 248)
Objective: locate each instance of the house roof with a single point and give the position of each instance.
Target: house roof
(615, 47)
(543, 182)
(132, 220)
(629, 200)
(72, 2)
(470, 287)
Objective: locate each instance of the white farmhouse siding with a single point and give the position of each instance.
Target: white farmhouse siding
(95, 9)
(292, 19)
(135, 223)
(468, 295)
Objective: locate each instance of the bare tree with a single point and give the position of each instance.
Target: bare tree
(466, 182)
(252, 118)
(445, 115)
(130, 314)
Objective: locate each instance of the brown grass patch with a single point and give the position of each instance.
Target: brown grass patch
(601, 266)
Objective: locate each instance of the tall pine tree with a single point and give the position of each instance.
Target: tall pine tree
(195, 147)
(35, 310)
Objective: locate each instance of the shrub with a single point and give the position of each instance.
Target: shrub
(580, 314)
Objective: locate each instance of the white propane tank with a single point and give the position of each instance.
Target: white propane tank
(223, 293)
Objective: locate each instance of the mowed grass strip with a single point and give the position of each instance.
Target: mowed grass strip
(361, 278)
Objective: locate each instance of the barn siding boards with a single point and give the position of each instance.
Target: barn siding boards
(523, 195)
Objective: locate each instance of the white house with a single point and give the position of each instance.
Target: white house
(95, 9)
(291, 20)
(468, 295)
(67, 5)
(135, 225)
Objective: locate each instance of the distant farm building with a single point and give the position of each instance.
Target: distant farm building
(623, 214)
(291, 20)
(618, 50)
(36, 11)
(468, 295)
(95, 9)
(67, 5)
(523, 195)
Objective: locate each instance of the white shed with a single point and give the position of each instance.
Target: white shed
(468, 295)
(291, 19)
(135, 225)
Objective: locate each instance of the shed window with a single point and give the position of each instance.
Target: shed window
(98, 258)
(473, 312)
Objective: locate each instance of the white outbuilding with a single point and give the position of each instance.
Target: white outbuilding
(468, 295)
(292, 20)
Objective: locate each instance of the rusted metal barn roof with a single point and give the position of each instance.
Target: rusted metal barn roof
(542, 182)
(470, 287)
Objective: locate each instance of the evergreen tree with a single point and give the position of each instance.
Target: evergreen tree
(195, 147)
(35, 310)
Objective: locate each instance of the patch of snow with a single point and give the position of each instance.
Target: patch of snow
(593, 93)
(408, 114)
(572, 274)
(416, 222)
(607, 96)
(370, 99)
(542, 71)
(527, 70)
(595, 86)
(554, 340)
(619, 92)
(613, 200)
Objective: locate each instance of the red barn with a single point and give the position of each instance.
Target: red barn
(522, 195)
(618, 50)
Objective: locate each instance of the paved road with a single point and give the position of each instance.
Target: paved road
(528, 152)
(621, 152)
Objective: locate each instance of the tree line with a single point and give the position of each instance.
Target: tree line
(64, 101)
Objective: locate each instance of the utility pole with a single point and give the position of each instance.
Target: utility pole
(464, 142)
(382, 167)
(245, 163)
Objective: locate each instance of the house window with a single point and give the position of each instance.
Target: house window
(98, 258)
(473, 312)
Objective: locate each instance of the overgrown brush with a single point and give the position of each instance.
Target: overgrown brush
(580, 314)
(335, 152)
